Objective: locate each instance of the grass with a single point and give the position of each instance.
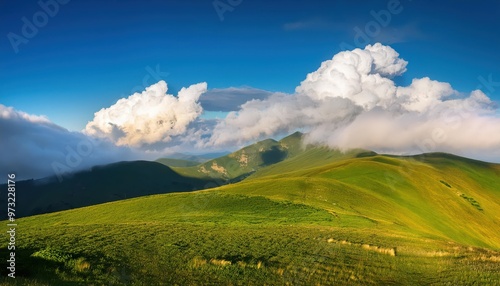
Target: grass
(343, 220)
(199, 250)
(406, 192)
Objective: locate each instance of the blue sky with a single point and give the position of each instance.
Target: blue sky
(92, 53)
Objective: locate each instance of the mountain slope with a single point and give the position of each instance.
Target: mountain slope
(239, 164)
(268, 157)
(361, 220)
(244, 162)
(100, 184)
(438, 195)
(123, 180)
(311, 157)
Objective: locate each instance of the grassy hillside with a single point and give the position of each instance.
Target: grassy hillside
(311, 157)
(133, 179)
(437, 195)
(100, 184)
(239, 164)
(364, 220)
(268, 157)
(244, 162)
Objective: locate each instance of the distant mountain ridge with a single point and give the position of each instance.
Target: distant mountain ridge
(244, 162)
(200, 158)
(177, 162)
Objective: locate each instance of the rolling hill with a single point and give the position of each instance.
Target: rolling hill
(238, 165)
(316, 217)
(132, 179)
(259, 156)
(100, 184)
(433, 194)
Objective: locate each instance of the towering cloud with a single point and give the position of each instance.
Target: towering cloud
(149, 117)
(363, 76)
(351, 101)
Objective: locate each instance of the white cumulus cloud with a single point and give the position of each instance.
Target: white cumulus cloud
(363, 76)
(150, 117)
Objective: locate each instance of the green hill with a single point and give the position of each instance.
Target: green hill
(100, 184)
(439, 195)
(125, 180)
(311, 157)
(268, 157)
(239, 164)
(132, 179)
(352, 219)
(244, 162)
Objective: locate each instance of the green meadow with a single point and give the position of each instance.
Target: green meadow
(314, 217)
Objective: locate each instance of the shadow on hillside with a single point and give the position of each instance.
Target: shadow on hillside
(273, 156)
(50, 266)
(101, 184)
(29, 267)
(366, 154)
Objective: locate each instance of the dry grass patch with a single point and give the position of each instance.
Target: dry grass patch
(218, 169)
(198, 262)
(388, 251)
(81, 265)
(220, 262)
(492, 258)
